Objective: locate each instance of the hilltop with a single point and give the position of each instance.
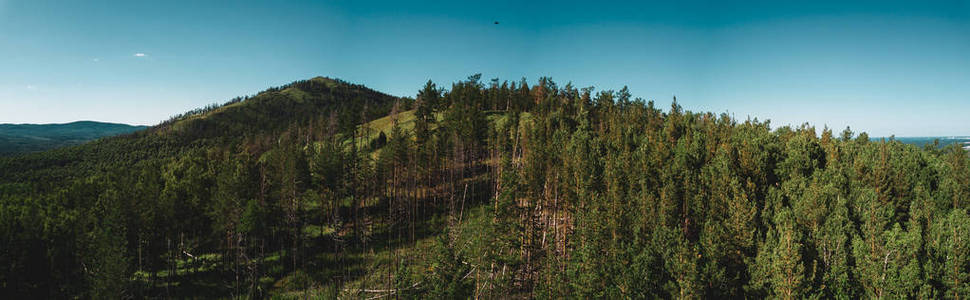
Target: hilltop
(253, 119)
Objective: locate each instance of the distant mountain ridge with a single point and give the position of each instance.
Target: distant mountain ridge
(943, 141)
(23, 138)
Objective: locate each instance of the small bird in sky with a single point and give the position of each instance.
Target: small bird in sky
(496, 22)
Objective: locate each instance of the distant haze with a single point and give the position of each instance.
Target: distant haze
(963, 141)
(23, 138)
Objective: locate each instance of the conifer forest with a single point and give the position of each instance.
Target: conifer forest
(485, 189)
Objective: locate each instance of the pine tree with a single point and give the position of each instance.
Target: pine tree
(833, 246)
(869, 249)
(105, 259)
(448, 273)
(950, 253)
(786, 267)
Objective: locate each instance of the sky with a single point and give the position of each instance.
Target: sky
(884, 67)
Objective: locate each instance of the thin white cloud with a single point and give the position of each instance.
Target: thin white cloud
(139, 54)
(96, 59)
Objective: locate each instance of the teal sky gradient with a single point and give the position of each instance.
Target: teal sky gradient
(885, 67)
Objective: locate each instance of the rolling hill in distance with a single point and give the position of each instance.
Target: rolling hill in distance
(941, 141)
(22, 138)
(328, 189)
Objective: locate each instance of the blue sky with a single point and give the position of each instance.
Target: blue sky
(884, 67)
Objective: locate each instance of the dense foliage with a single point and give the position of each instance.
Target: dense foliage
(491, 190)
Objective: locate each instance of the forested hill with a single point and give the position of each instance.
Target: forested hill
(21, 138)
(250, 120)
(492, 189)
(277, 109)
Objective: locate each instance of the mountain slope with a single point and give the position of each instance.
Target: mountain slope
(21, 138)
(256, 119)
(277, 108)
